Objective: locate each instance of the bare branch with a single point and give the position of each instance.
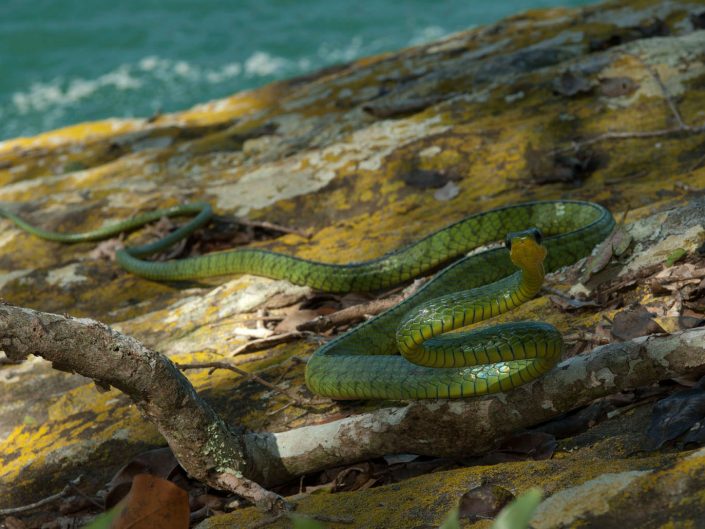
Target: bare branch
(271, 341)
(206, 447)
(247, 374)
(681, 128)
(358, 312)
(457, 428)
(274, 227)
(40, 503)
(227, 458)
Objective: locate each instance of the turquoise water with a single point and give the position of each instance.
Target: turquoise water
(67, 61)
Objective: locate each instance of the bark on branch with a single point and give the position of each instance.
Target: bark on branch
(206, 447)
(458, 428)
(232, 459)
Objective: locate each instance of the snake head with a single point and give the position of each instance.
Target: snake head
(526, 248)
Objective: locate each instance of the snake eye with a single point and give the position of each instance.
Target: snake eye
(538, 237)
(508, 241)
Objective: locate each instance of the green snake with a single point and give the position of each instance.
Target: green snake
(364, 363)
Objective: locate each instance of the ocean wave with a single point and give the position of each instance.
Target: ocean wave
(151, 70)
(154, 83)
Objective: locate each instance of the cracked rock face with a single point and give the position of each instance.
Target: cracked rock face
(356, 156)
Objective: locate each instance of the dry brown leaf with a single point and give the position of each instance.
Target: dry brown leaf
(483, 502)
(159, 462)
(293, 319)
(14, 523)
(154, 502)
(630, 324)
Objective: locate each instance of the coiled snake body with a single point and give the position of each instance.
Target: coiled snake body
(364, 363)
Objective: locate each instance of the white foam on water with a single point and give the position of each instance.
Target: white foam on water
(159, 80)
(427, 34)
(61, 92)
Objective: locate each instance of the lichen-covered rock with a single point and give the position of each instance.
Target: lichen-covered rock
(355, 155)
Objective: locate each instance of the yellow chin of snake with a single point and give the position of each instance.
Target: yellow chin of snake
(527, 253)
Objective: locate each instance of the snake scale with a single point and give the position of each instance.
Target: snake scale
(363, 363)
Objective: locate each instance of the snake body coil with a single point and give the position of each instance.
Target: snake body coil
(364, 363)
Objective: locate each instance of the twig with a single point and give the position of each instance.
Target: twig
(40, 503)
(674, 109)
(259, 333)
(629, 279)
(255, 356)
(74, 486)
(278, 410)
(195, 433)
(225, 365)
(160, 391)
(697, 164)
(254, 318)
(682, 127)
(566, 302)
(318, 517)
(349, 314)
(587, 337)
(263, 224)
(357, 312)
(577, 145)
(266, 343)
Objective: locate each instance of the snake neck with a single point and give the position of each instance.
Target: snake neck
(531, 280)
(429, 320)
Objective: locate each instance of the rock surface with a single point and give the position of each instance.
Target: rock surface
(358, 155)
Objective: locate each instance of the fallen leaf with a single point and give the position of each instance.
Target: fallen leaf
(483, 502)
(291, 321)
(106, 249)
(447, 192)
(577, 422)
(675, 415)
(536, 445)
(14, 523)
(683, 274)
(154, 502)
(614, 245)
(617, 86)
(675, 256)
(621, 240)
(424, 178)
(354, 478)
(630, 324)
(547, 168)
(159, 462)
(569, 84)
(567, 304)
(690, 322)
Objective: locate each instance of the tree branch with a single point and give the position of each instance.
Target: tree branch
(205, 446)
(458, 428)
(231, 459)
